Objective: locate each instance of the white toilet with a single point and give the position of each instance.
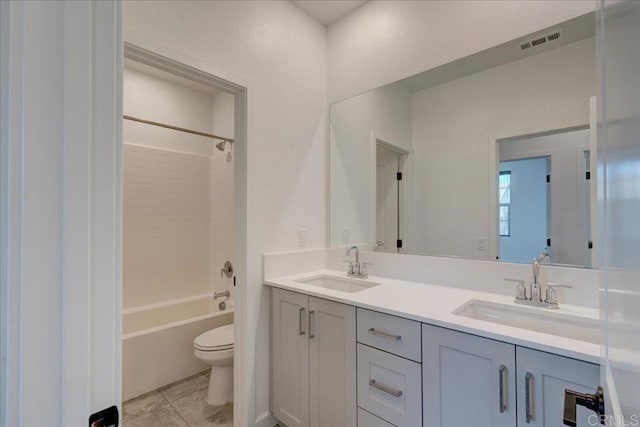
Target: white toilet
(215, 347)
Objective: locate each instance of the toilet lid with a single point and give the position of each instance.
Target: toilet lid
(216, 339)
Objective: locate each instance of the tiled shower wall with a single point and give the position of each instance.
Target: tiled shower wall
(178, 224)
(166, 225)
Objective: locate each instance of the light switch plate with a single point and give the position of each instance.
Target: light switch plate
(481, 243)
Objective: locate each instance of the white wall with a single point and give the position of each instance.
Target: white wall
(157, 99)
(453, 124)
(279, 52)
(385, 41)
(387, 113)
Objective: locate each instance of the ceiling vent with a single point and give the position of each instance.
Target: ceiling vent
(528, 44)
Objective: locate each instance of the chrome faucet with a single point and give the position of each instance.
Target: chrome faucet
(356, 268)
(222, 305)
(544, 257)
(536, 293)
(551, 296)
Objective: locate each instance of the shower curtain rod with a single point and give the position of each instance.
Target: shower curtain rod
(163, 125)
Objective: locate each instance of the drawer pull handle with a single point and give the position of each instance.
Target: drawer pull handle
(529, 395)
(312, 324)
(503, 389)
(385, 334)
(301, 321)
(385, 388)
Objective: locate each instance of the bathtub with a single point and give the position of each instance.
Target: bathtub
(157, 341)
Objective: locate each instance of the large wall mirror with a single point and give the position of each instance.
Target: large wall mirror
(488, 157)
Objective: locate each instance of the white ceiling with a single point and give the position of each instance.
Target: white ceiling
(328, 11)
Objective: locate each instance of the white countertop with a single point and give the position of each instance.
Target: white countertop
(434, 305)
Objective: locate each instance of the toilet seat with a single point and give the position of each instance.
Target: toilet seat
(217, 339)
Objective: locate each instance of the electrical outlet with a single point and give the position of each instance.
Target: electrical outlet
(481, 244)
(302, 238)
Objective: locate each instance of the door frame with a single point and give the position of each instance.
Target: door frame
(377, 138)
(243, 349)
(60, 217)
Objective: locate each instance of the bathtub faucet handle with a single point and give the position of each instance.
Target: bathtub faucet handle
(227, 270)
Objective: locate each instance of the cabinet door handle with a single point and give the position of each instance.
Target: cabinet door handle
(504, 398)
(384, 334)
(312, 315)
(301, 321)
(529, 395)
(390, 390)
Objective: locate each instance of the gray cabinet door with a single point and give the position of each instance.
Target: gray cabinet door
(546, 376)
(467, 380)
(290, 357)
(332, 363)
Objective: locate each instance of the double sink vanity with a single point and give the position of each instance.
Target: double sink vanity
(453, 180)
(380, 351)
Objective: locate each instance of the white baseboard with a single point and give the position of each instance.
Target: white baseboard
(266, 420)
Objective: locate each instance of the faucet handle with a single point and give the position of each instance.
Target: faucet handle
(348, 261)
(555, 285)
(552, 294)
(521, 290)
(363, 269)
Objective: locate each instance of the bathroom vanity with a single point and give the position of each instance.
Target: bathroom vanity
(389, 352)
(440, 175)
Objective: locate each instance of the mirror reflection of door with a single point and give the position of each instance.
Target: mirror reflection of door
(565, 156)
(524, 208)
(388, 199)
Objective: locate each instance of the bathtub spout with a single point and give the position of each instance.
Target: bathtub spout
(226, 293)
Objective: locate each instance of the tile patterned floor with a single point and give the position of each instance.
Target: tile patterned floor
(181, 404)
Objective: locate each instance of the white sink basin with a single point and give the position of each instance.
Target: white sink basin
(336, 283)
(534, 319)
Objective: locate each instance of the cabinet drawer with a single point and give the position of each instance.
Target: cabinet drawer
(367, 419)
(389, 387)
(390, 333)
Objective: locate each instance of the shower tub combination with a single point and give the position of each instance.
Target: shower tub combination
(157, 341)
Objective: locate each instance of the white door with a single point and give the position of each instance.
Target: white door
(467, 380)
(542, 380)
(60, 328)
(290, 357)
(332, 363)
(618, 33)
